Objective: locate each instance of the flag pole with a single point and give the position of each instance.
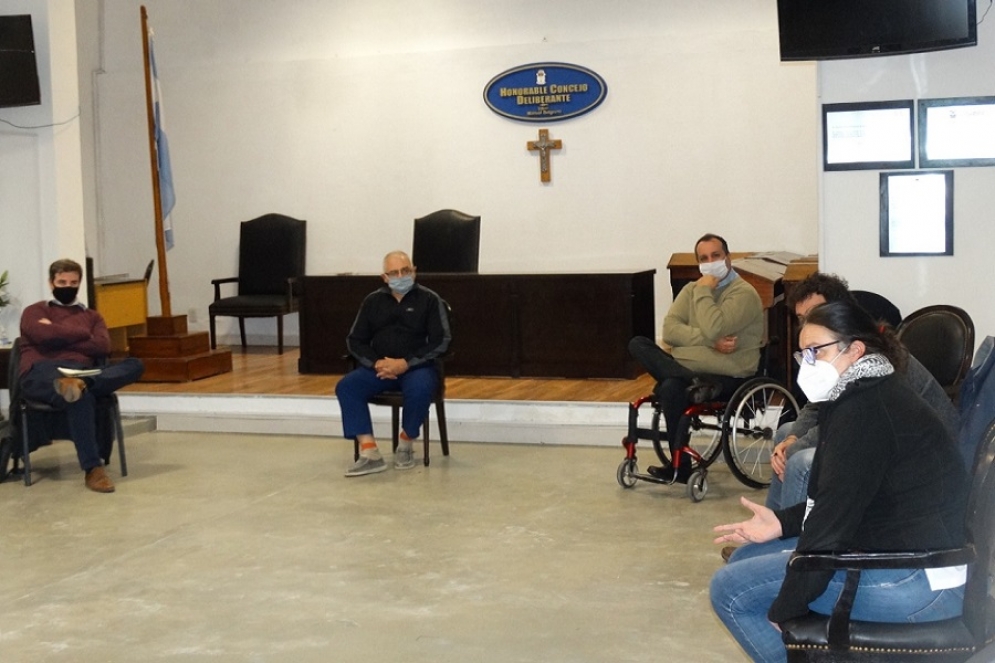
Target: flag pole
(160, 242)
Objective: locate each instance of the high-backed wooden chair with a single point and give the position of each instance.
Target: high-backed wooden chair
(446, 241)
(942, 339)
(271, 255)
(879, 306)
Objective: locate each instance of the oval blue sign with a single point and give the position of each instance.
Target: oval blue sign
(545, 91)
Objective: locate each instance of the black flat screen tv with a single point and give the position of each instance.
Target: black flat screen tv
(18, 67)
(831, 29)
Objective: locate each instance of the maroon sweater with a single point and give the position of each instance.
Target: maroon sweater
(76, 334)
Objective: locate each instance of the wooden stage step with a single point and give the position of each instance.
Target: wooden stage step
(180, 345)
(185, 369)
(171, 353)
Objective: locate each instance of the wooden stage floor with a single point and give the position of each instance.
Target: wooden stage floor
(260, 370)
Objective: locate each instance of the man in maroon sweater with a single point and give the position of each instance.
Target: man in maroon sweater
(62, 333)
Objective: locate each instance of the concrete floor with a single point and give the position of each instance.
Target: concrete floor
(223, 547)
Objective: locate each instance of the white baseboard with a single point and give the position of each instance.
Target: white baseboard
(515, 422)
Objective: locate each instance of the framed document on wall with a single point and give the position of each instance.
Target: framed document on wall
(917, 213)
(957, 132)
(868, 136)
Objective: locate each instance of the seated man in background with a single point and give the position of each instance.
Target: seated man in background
(63, 333)
(792, 457)
(713, 333)
(399, 330)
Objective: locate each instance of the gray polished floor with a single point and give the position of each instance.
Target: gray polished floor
(222, 547)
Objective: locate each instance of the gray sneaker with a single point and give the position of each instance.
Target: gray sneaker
(404, 457)
(366, 466)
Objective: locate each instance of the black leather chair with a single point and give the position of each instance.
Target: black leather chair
(35, 425)
(271, 255)
(820, 639)
(446, 241)
(395, 401)
(878, 306)
(942, 339)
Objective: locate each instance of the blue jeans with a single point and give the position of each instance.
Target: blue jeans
(355, 390)
(794, 488)
(743, 591)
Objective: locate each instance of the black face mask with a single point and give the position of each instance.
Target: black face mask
(65, 294)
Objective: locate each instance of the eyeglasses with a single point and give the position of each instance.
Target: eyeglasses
(397, 273)
(808, 354)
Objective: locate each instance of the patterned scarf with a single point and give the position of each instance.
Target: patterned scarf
(868, 366)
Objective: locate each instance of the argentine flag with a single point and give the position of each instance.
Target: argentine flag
(167, 195)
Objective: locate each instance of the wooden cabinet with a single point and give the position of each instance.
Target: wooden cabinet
(517, 325)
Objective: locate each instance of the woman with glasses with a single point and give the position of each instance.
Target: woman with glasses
(886, 476)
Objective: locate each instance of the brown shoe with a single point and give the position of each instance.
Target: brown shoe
(98, 481)
(727, 553)
(71, 389)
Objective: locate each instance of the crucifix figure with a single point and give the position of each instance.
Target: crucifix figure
(544, 145)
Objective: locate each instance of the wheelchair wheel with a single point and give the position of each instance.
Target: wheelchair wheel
(757, 409)
(626, 473)
(703, 433)
(697, 486)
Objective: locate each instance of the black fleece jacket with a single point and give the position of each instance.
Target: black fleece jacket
(886, 476)
(415, 329)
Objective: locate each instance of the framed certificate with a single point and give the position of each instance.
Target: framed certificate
(957, 132)
(917, 213)
(868, 136)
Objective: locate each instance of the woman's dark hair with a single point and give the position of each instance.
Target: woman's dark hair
(849, 322)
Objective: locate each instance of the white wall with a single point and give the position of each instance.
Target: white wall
(41, 191)
(359, 115)
(850, 207)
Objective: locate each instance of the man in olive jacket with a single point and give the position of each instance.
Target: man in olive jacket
(713, 333)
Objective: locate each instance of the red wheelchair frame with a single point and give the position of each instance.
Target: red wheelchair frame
(743, 431)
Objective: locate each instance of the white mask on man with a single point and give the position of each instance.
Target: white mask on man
(717, 268)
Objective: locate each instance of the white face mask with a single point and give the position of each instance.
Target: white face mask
(817, 380)
(718, 269)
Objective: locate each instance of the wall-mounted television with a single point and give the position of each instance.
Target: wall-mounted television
(957, 132)
(829, 29)
(18, 68)
(871, 135)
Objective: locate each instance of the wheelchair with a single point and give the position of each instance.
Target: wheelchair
(742, 429)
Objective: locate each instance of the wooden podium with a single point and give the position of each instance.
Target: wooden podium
(171, 353)
(123, 303)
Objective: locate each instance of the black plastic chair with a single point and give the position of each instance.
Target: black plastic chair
(446, 241)
(394, 399)
(838, 639)
(942, 339)
(37, 424)
(878, 306)
(271, 256)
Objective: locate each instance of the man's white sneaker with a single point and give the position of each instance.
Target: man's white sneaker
(365, 466)
(404, 457)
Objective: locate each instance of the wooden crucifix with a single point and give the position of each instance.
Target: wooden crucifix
(544, 145)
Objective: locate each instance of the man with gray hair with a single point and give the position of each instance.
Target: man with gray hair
(400, 330)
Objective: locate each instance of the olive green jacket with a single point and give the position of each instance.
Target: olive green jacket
(700, 316)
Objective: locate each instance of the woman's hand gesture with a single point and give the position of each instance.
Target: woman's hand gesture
(763, 526)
